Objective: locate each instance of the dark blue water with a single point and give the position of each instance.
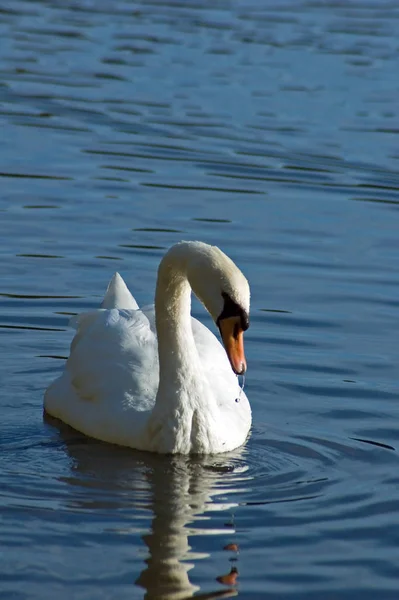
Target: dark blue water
(270, 129)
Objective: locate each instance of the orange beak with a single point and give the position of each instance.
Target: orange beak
(233, 340)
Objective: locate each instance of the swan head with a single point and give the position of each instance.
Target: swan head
(222, 288)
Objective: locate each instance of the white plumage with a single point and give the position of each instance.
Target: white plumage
(113, 388)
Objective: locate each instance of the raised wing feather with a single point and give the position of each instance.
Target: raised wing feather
(113, 364)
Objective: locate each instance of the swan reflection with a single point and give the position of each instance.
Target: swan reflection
(178, 491)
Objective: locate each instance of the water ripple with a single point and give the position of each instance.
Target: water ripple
(269, 129)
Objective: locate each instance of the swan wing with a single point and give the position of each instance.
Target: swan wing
(118, 295)
(111, 377)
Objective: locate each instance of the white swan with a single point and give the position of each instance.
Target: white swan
(161, 381)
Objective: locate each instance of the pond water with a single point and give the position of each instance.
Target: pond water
(270, 129)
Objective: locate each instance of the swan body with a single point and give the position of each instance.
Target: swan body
(156, 378)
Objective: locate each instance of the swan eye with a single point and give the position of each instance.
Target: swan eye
(232, 309)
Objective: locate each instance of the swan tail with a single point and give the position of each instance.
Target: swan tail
(118, 295)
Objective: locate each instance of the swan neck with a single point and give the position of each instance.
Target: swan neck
(172, 303)
(181, 378)
(185, 412)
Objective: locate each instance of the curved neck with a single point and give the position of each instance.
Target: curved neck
(185, 412)
(181, 378)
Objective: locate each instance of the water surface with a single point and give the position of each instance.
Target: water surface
(271, 130)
